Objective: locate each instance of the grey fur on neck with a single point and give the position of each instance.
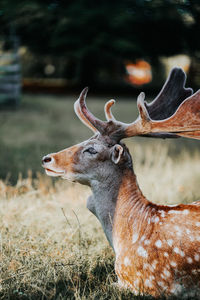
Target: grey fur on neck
(103, 201)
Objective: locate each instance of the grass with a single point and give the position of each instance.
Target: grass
(51, 246)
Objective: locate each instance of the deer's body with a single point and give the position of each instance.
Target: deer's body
(157, 247)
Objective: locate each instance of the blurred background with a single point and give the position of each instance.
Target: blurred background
(50, 50)
(51, 246)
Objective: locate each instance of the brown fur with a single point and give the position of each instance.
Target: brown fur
(157, 247)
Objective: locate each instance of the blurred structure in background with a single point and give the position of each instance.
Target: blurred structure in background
(182, 61)
(70, 44)
(10, 71)
(139, 73)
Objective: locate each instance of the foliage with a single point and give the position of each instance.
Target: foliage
(97, 37)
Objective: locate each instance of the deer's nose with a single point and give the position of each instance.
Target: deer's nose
(46, 159)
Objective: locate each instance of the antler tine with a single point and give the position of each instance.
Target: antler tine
(144, 115)
(170, 97)
(81, 116)
(108, 112)
(142, 124)
(96, 123)
(145, 119)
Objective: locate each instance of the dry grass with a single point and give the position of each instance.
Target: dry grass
(51, 247)
(47, 239)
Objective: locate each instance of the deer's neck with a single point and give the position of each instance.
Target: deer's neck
(113, 198)
(131, 212)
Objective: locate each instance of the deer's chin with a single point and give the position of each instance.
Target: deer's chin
(54, 173)
(68, 176)
(74, 178)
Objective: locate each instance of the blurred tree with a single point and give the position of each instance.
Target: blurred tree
(191, 14)
(96, 37)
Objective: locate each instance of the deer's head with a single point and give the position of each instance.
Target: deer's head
(173, 113)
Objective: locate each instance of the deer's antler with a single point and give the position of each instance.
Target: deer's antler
(170, 97)
(175, 112)
(184, 122)
(85, 115)
(81, 115)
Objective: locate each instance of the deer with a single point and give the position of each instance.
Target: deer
(156, 247)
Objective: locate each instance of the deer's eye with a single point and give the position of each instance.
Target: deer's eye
(91, 150)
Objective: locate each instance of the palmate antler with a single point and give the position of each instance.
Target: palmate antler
(175, 112)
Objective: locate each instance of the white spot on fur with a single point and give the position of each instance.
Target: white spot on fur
(127, 261)
(143, 238)
(167, 273)
(189, 260)
(191, 238)
(196, 257)
(166, 254)
(198, 224)
(155, 262)
(163, 276)
(179, 212)
(147, 242)
(178, 230)
(173, 211)
(182, 253)
(148, 283)
(135, 238)
(188, 231)
(176, 288)
(176, 250)
(156, 219)
(146, 266)
(136, 282)
(170, 242)
(173, 263)
(158, 243)
(196, 271)
(162, 213)
(142, 252)
(162, 284)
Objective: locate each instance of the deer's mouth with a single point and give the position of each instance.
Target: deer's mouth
(54, 173)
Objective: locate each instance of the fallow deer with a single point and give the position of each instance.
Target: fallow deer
(157, 247)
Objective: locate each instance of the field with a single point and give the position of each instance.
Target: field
(51, 247)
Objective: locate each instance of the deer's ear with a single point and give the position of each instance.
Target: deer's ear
(116, 153)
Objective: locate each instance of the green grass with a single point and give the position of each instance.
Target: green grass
(51, 246)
